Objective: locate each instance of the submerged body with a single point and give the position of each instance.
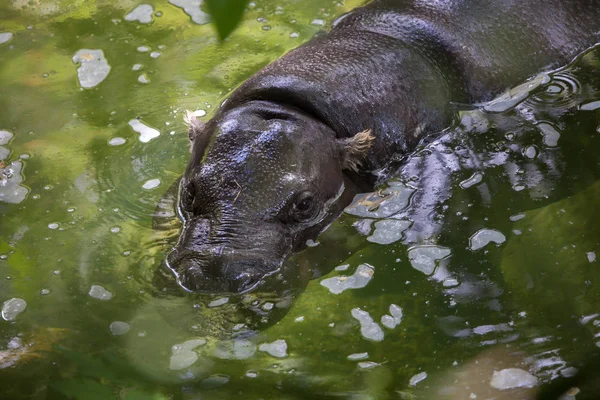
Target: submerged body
(288, 150)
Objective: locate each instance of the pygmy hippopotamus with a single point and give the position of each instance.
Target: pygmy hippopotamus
(289, 149)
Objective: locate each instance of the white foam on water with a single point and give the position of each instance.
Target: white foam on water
(388, 231)
(118, 328)
(484, 236)
(93, 67)
(142, 14)
(277, 348)
(369, 329)
(146, 133)
(151, 184)
(417, 378)
(512, 378)
(424, 258)
(192, 8)
(235, 349)
(13, 307)
(361, 277)
(183, 354)
(99, 293)
(116, 141)
(5, 37)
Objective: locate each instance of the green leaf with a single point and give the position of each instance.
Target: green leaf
(226, 14)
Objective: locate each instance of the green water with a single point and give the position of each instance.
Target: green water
(82, 217)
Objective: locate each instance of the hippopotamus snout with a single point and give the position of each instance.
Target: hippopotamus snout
(224, 271)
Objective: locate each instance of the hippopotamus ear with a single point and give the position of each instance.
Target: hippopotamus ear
(195, 127)
(354, 149)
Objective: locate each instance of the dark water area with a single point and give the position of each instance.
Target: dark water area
(472, 271)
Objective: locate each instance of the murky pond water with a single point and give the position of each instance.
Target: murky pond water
(476, 269)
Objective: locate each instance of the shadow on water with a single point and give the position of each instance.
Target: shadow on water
(479, 251)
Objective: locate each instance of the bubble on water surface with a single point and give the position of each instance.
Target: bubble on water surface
(192, 8)
(93, 67)
(417, 378)
(53, 226)
(517, 217)
(13, 307)
(512, 378)
(236, 349)
(151, 184)
(183, 354)
(146, 133)
(388, 231)
(5, 37)
(11, 190)
(142, 14)
(424, 258)
(116, 141)
(294, 34)
(483, 237)
(472, 180)
(369, 329)
(136, 67)
(591, 256)
(277, 348)
(45, 292)
(361, 277)
(99, 293)
(317, 22)
(550, 134)
(118, 328)
(143, 49)
(155, 54)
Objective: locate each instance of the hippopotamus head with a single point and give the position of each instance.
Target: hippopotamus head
(262, 180)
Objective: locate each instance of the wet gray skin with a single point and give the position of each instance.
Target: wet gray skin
(274, 166)
(263, 179)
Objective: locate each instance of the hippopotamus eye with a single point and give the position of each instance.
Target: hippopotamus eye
(304, 207)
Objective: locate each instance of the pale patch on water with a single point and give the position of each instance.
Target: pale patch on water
(369, 329)
(136, 67)
(393, 320)
(236, 349)
(13, 307)
(192, 8)
(361, 277)
(591, 256)
(382, 204)
(317, 22)
(99, 293)
(155, 54)
(594, 105)
(277, 348)
(358, 356)
(514, 96)
(151, 184)
(142, 14)
(5, 37)
(143, 49)
(517, 217)
(424, 258)
(118, 328)
(483, 237)
(116, 141)
(11, 190)
(93, 67)
(367, 364)
(146, 133)
(512, 378)
(183, 355)
(472, 180)
(550, 134)
(388, 231)
(143, 78)
(218, 302)
(417, 378)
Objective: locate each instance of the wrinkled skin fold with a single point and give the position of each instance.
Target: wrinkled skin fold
(287, 152)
